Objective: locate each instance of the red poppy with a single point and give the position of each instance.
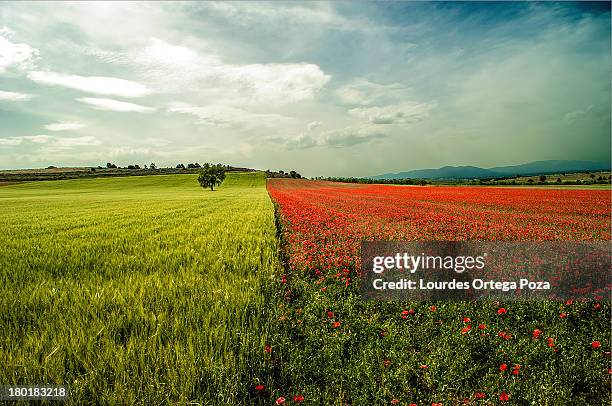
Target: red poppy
(536, 333)
(563, 315)
(569, 302)
(466, 319)
(298, 398)
(515, 372)
(504, 397)
(466, 329)
(595, 344)
(479, 395)
(330, 314)
(280, 400)
(260, 388)
(386, 362)
(394, 401)
(502, 310)
(268, 349)
(482, 326)
(336, 324)
(597, 306)
(551, 342)
(433, 308)
(503, 367)
(424, 366)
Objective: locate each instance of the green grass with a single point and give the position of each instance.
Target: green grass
(136, 290)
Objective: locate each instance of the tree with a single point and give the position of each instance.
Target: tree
(153, 166)
(211, 175)
(542, 178)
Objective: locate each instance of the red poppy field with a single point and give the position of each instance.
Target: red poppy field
(327, 346)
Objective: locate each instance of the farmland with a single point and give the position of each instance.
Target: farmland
(135, 290)
(333, 348)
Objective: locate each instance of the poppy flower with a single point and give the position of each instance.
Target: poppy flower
(515, 372)
(504, 397)
(330, 314)
(394, 401)
(423, 366)
(280, 400)
(479, 395)
(551, 342)
(482, 326)
(503, 367)
(259, 388)
(595, 344)
(597, 306)
(569, 302)
(298, 398)
(466, 329)
(466, 319)
(268, 349)
(386, 362)
(563, 315)
(336, 324)
(502, 310)
(433, 308)
(536, 333)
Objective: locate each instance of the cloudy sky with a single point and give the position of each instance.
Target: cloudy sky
(329, 89)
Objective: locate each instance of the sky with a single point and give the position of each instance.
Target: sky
(326, 89)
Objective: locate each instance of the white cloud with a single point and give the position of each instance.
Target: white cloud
(10, 142)
(227, 116)
(14, 96)
(175, 68)
(64, 126)
(115, 105)
(13, 55)
(338, 138)
(313, 125)
(38, 139)
(77, 142)
(92, 84)
(364, 92)
(404, 113)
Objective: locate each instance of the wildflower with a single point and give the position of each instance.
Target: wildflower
(336, 324)
(259, 388)
(502, 310)
(479, 395)
(503, 367)
(330, 315)
(298, 398)
(466, 329)
(394, 401)
(482, 326)
(386, 362)
(267, 349)
(536, 333)
(551, 341)
(466, 319)
(595, 344)
(563, 315)
(569, 302)
(424, 366)
(280, 400)
(433, 308)
(504, 397)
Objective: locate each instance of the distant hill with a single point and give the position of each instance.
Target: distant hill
(474, 172)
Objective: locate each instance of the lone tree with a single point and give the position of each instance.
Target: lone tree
(211, 175)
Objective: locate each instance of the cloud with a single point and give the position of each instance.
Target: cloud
(349, 137)
(10, 142)
(314, 125)
(361, 91)
(91, 84)
(575, 115)
(228, 116)
(87, 140)
(403, 113)
(339, 138)
(38, 139)
(13, 55)
(64, 126)
(115, 105)
(176, 68)
(14, 96)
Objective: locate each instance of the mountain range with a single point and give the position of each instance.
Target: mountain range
(474, 172)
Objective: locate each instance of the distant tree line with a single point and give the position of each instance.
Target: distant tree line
(283, 174)
(421, 182)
